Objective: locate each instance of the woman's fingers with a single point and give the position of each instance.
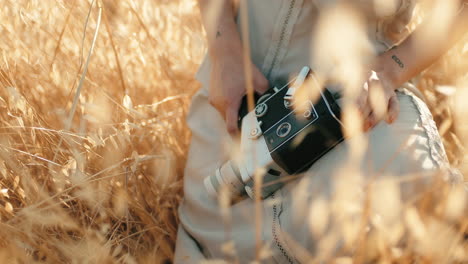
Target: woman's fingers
(232, 116)
(362, 103)
(365, 107)
(260, 85)
(382, 102)
(260, 82)
(393, 108)
(218, 102)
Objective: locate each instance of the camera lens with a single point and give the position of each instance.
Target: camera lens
(226, 175)
(283, 129)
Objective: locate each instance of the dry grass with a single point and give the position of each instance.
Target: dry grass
(105, 187)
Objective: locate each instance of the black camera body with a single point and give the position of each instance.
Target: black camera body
(296, 140)
(280, 138)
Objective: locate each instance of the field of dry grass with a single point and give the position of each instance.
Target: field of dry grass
(93, 96)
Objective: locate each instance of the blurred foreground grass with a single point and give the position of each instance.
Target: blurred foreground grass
(102, 184)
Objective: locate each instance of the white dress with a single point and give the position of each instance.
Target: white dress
(281, 37)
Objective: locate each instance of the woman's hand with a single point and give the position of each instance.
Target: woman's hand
(378, 100)
(399, 64)
(228, 80)
(228, 85)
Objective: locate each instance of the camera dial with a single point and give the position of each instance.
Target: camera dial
(261, 110)
(283, 130)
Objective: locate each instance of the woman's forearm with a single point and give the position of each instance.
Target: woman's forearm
(218, 18)
(422, 48)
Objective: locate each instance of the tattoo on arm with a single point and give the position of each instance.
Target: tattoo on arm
(398, 61)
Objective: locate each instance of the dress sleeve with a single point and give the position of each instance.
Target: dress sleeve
(187, 250)
(394, 28)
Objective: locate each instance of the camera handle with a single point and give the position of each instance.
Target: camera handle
(288, 98)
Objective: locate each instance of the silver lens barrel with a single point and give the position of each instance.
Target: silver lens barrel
(227, 175)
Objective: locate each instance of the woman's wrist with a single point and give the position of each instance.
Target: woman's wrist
(390, 69)
(225, 48)
(226, 41)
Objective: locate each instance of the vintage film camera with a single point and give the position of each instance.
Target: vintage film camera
(279, 139)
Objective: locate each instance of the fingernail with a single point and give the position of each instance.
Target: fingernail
(366, 125)
(388, 119)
